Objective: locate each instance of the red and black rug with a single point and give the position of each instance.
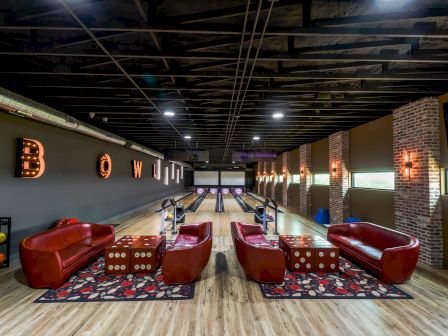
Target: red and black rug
(351, 282)
(93, 285)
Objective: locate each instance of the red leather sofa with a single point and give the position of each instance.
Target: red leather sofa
(390, 255)
(185, 261)
(50, 257)
(260, 261)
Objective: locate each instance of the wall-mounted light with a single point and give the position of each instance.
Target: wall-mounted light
(302, 172)
(284, 172)
(407, 164)
(334, 169)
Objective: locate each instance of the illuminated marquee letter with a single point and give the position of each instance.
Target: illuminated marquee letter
(104, 166)
(154, 171)
(30, 158)
(137, 168)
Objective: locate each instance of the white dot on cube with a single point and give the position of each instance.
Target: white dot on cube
(136, 254)
(148, 266)
(136, 267)
(111, 255)
(297, 265)
(321, 254)
(308, 254)
(297, 254)
(117, 255)
(321, 265)
(123, 267)
(142, 266)
(308, 266)
(111, 267)
(123, 255)
(333, 266)
(142, 254)
(302, 260)
(117, 267)
(149, 254)
(332, 254)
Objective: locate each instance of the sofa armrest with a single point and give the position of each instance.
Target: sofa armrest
(338, 229)
(102, 229)
(40, 266)
(398, 263)
(251, 229)
(265, 264)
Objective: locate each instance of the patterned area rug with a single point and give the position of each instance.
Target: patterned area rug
(351, 282)
(92, 285)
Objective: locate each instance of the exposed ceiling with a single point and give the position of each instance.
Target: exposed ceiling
(326, 65)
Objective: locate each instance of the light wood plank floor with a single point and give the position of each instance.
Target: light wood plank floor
(225, 302)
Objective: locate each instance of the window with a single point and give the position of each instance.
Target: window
(173, 169)
(377, 180)
(280, 178)
(321, 179)
(181, 172)
(269, 178)
(177, 175)
(159, 169)
(296, 179)
(166, 177)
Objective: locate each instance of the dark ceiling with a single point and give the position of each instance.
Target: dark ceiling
(326, 65)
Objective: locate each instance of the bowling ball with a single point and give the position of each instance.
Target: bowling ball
(170, 216)
(2, 237)
(2, 258)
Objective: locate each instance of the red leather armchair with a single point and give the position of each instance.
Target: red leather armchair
(185, 261)
(260, 261)
(50, 257)
(390, 255)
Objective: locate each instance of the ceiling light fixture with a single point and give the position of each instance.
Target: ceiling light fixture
(169, 113)
(256, 138)
(188, 137)
(277, 115)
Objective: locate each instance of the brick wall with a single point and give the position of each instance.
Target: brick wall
(339, 176)
(305, 179)
(417, 197)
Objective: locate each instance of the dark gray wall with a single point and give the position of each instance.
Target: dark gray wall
(70, 185)
(320, 196)
(319, 156)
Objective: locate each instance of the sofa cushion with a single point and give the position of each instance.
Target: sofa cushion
(186, 240)
(73, 253)
(370, 253)
(94, 241)
(257, 240)
(344, 240)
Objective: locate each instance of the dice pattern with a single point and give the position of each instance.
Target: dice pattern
(117, 257)
(135, 254)
(309, 254)
(147, 254)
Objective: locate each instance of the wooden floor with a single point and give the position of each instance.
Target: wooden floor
(225, 303)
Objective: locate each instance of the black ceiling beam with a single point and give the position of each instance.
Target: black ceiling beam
(225, 29)
(389, 76)
(341, 89)
(266, 56)
(416, 14)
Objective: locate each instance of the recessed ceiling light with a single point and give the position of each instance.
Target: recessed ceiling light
(277, 115)
(256, 138)
(188, 137)
(169, 113)
(233, 162)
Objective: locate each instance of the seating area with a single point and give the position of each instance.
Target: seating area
(231, 167)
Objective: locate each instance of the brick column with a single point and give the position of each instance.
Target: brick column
(286, 179)
(305, 180)
(273, 178)
(339, 176)
(259, 176)
(417, 196)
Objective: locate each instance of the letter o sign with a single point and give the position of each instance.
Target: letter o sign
(104, 166)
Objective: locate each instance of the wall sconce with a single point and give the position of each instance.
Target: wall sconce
(334, 169)
(301, 171)
(407, 165)
(284, 172)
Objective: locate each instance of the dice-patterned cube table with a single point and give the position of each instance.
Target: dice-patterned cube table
(326, 257)
(118, 256)
(308, 253)
(147, 254)
(299, 253)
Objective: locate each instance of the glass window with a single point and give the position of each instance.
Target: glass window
(296, 179)
(321, 179)
(377, 180)
(269, 178)
(280, 178)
